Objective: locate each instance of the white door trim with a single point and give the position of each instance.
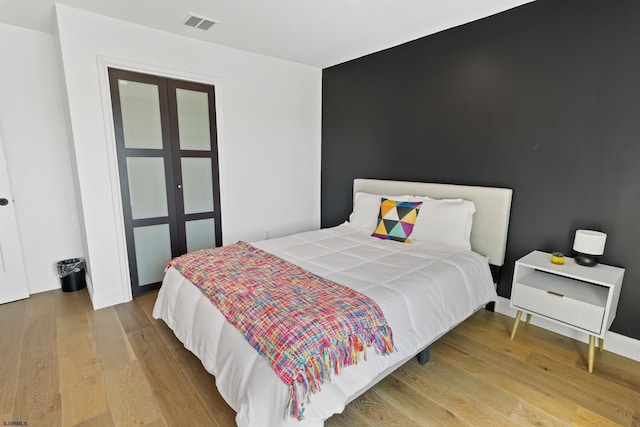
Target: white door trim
(99, 299)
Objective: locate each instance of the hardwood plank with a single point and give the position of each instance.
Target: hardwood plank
(585, 417)
(588, 390)
(81, 378)
(528, 415)
(500, 362)
(37, 399)
(81, 381)
(128, 392)
(617, 369)
(72, 311)
(351, 416)
(12, 320)
(474, 378)
(544, 399)
(175, 396)
(494, 336)
(101, 420)
(623, 391)
(537, 376)
(130, 396)
(112, 343)
(352, 412)
(157, 423)
(202, 381)
(456, 400)
(147, 301)
(528, 337)
(41, 305)
(346, 419)
(487, 394)
(132, 317)
(373, 408)
(416, 405)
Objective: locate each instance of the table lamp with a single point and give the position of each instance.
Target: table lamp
(588, 244)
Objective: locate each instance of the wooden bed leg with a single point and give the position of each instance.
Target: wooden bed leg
(423, 356)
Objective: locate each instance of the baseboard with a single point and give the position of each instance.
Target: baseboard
(105, 299)
(43, 284)
(613, 342)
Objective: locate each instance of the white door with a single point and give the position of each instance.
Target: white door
(13, 278)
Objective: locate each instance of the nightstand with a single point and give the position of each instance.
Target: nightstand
(582, 298)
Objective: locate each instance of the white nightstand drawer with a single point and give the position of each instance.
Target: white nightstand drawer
(558, 303)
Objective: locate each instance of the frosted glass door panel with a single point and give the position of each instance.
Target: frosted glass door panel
(153, 252)
(167, 153)
(147, 187)
(193, 120)
(201, 234)
(197, 185)
(140, 114)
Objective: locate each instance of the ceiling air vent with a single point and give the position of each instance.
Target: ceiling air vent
(199, 22)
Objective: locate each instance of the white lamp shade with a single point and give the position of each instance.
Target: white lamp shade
(589, 242)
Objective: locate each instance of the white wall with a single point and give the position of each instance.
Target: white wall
(37, 147)
(268, 113)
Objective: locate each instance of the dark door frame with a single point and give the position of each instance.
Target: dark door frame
(171, 153)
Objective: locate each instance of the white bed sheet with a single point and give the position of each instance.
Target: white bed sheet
(423, 290)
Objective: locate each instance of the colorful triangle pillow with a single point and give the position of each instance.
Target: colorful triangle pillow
(396, 220)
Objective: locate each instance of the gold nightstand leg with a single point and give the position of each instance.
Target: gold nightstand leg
(592, 350)
(528, 318)
(515, 324)
(600, 344)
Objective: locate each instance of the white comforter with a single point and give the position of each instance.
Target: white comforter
(423, 290)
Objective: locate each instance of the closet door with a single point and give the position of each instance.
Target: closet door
(195, 164)
(167, 158)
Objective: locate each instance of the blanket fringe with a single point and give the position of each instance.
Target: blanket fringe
(332, 359)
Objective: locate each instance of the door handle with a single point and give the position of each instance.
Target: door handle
(4, 202)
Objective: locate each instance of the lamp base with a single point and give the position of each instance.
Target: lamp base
(586, 260)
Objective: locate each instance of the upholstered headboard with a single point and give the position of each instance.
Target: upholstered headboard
(490, 222)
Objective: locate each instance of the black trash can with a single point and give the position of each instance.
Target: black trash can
(71, 273)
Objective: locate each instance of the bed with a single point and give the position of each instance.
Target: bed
(424, 290)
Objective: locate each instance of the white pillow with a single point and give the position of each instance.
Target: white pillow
(366, 208)
(445, 221)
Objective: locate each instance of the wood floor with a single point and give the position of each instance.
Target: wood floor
(61, 363)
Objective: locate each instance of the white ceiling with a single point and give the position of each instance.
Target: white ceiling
(320, 33)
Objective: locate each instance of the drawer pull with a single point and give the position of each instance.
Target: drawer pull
(555, 293)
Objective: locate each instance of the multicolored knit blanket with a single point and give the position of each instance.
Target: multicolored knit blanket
(307, 327)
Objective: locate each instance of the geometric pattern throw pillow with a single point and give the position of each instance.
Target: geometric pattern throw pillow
(396, 220)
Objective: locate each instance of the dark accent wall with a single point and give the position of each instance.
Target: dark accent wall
(543, 98)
